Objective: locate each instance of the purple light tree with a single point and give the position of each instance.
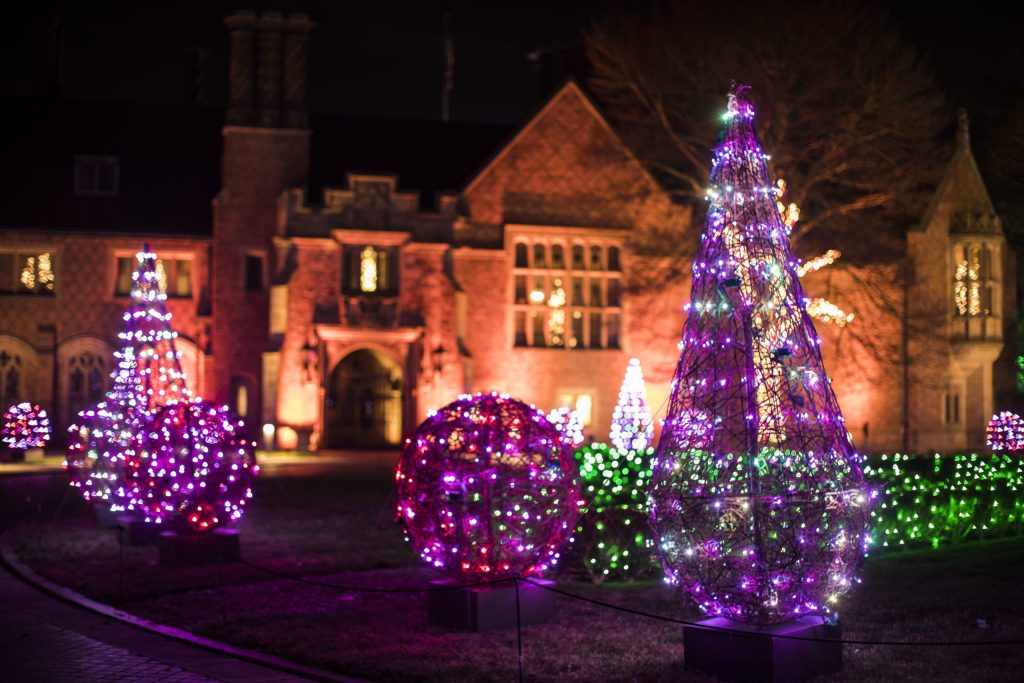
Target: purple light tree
(103, 445)
(758, 503)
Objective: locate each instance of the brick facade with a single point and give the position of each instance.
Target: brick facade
(371, 310)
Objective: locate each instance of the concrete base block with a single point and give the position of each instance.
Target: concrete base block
(487, 608)
(105, 518)
(190, 550)
(134, 531)
(758, 654)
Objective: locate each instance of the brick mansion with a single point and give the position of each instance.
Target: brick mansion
(334, 278)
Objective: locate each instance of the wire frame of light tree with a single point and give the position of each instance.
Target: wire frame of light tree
(195, 469)
(758, 503)
(103, 441)
(487, 488)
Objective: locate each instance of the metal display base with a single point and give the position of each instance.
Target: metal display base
(758, 654)
(134, 531)
(488, 608)
(190, 550)
(105, 518)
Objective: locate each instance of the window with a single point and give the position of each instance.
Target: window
(253, 273)
(576, 307)
(97, 176)
(613, 291)
(976, 290)
(522, 256)
(577, 258)
(583, 404)
(951, 412)
(520, 289)
(26, 273)
(520, 328)
(369, 269)
(86, 382)
(174, 275)
(972, 271)
(10, 379)
(614, 330)
(241, 397)
(540, 256)
(557, 257)
(613, 259)
(595, 330)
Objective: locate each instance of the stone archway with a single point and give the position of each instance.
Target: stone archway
(363, 402)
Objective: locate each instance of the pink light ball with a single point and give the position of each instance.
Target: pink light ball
(196, 469)
(488, 489)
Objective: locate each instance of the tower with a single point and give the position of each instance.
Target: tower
(266, 152)
(957, 307)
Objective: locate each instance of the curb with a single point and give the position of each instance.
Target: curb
(23, 572)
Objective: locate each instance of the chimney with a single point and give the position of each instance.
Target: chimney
(268, 70)
(242, 31)
(296, 41)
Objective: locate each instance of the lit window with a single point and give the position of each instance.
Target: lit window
(174, 276)
(26, 273)
(569, 310)
(971, 292)
(583, 404)
(368, 270)
(97, 176)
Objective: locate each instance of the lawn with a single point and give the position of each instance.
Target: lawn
(338, 528)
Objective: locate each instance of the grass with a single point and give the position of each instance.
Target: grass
(339, 529)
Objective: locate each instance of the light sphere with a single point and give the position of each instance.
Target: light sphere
(488, 488)
(25, 425)
(195, 473)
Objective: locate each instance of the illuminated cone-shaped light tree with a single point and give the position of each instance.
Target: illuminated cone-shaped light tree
(103, 446)
(632, 429)
(758, 504)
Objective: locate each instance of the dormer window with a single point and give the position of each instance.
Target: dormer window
(97, 176)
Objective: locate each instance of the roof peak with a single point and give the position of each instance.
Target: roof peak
(963, 129)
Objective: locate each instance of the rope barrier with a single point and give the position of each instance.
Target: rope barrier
(636, 612)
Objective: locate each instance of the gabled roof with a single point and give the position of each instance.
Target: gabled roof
(566, 166)
(569, 89)
(962, 191)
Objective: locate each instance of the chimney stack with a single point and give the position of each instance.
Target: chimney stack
(268, 70)
(296, 42)
(242, 31)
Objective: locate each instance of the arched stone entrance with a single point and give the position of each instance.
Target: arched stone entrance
(363, 406)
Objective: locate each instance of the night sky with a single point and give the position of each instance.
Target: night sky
(384, 58)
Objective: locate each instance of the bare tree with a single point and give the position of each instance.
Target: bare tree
(850, 115)
(852, 118)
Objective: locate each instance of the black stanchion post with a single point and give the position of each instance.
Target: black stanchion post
(519, 632)
(223, 599)
(120, 563)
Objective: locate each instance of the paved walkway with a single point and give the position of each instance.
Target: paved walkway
(47, 640)
(44, 639)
